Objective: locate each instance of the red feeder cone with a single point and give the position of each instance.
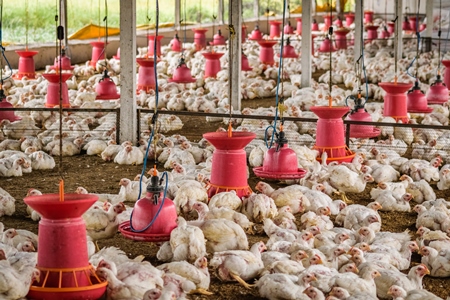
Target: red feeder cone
(338, 22)
(358, 113)
(151, 45)
(372, 32)
(176, 44)
(368, 16)
(153, 217)
(229, 162)
(416, 100)
(446, 63)
(117, 56)
(412, 23)
(98, 52)
(280, 162)
(146, 74)
(327, 20)
(395, 100)
(182, 73)
(384, 34)
(326, 45)
(244, 63)
(288, 28)
(288, 50)
(299, 26)
(349, 19)
(330, 134)
(266, 51)
(438, 92)
(7, 114)
(314, 25)
(65, 273)
(218, 39)
(341, 37)
(106, 88)
(52, 98)
(275, 29)
(64, 61)
(391, 28)
(26, 65)
(406, 26)
(212, 65)
(256, 34)
(200, 38)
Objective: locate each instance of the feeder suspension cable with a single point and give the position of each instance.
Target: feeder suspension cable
(439, 38)
(395, 40)
(230, 66)
(416, 58)
(60, 37)
(330, 33)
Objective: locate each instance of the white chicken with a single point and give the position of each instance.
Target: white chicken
(389, 202)
(7, 203)
(290, 195)
(420, 190)
(432, 218)
(397, 292)
(130, 155)
(41, 161)
(355, 212)
(280, 286)
(15, 284)
(444, 178)
(226, 199)
(347, 181)
(129, 189)
(258, 207)
(187, 242)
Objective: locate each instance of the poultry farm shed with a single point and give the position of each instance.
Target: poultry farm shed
(375, 226)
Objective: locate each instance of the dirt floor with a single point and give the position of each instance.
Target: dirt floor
(98, 176)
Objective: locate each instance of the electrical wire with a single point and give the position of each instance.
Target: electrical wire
(417, 47)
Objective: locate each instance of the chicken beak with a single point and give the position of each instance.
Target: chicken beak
(314, 278)
(356, 270)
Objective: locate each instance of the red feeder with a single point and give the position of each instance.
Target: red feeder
(182, 73)
(244, 63)
(243, 33)
(412, 23)
(416, 100)
(117, 56)
(446, 63)
(341, 37)
(314, 25)
(368, 16)
(218, 39)
(98, 52)
(52, 98)
(395, 100)
(275, 29)
(391, 28)
(26, 65)
(266, 51)
(146, 74)
(176, 44)
(422, 26)
(151, 45)
(327, 19)
(349, 19)
(200, 38)
(212, 65)
(288, 29)
(106, 88)
(7, 114)
(384, 34)
(280, 162)
(358, 113)
(330, 134)
(64, 61)
(372, 32)
(65, 273)
(229, 162)
(326, 45)
(438, 92)
(406, 26)
(338, 22)
(256, 34)
(153, 217)
(288, 50)
(299, 26)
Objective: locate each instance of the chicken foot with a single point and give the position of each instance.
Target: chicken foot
(201, 292)
(241, 281)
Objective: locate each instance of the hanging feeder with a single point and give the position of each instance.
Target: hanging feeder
(288, 50)
(328, 21)
(438, 92)
(244, 63)
(212, 64)
(266, 51)
(413, 22)
(63, 62)
(64, 273)
(26, 65)
(384, 33)
(7, 114)
(406, 26)
(416, 100)
(391, 28)
(338, 22)
(243, 33)
(349, 18)
(218, 39)
(55, 82)
(153, 217)
(175, 43)
(117, 56)
(299, 26)
(446, 63)
(326, 45)
(106, 88)
(275, 30)
(146, 74)
(200, 38)
(372, 32)
(151, 45)
(341, 37)
(368, 16)
(314, 25)
(98, 52)
(288, 29)
(359, 113)
(182, 73)
(256, 34)
(395, 100)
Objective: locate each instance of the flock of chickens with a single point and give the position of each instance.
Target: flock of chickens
(305, 253)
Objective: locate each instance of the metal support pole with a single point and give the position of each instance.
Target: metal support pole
(359, 11)
(128, 104)
(221, 9)
(177, 14)
(234, 59)
(63, 16)
(398, 25)
(307, 44)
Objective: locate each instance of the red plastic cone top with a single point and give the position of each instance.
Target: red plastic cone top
(7, 114)
(280, 162)
(256, 34)
(368, 16)
(65, 273)
(244, 63)
(182, 73)
(327, 20)
(146, 74)
(62, 60)
(151, 45)
(406, 26)
(117, 56)
(106, 88)
(314, 25)
(229, 162)
(26, 65)
(176, 44)
(395, 100)
(349, 19)
(54, 84)
(446, 63)
(212, 65)
(338, 22)
(266, 51)
(326, 45)
(358, 113)
(330, 134)
(200, 38)
(153, 217)
(341, 37)
(98, 52)
(391, 27)
(299, 26)
(275, 28)
(218, 39)
(288, 50)
(416, 100)
(438, 92)
(243, 34)
(372, 32)
(288, 29)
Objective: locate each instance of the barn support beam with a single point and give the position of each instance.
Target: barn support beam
(307, 44)
(359, 12)
(234, 56)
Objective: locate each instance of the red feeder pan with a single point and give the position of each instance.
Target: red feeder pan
(256, 34)
(299, 26)
(26, 65)
(200, 38)
(368, 16)
(212, 65)
(341, 37)
(229, 162)
(244, 63)
(349, 19)
(7, 114)
(275, 29)
(372, 32)
(446, 63)
(391, 27)
(98, 52)
(153, 218)
(106, 89)
(266, 51)
(330, 136)
(326, 45)
(314, 25)
(362, 131)
(146, 74)
(280, 162)
(65, 273)
(176, 44)
(218, 39)
(52, 98)
(288, 28)
(438, 92)
(288, 50)
(117, 56)
(151, 45)
(416, 101)
(64, 61)
(182, 74)
(395, 100)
